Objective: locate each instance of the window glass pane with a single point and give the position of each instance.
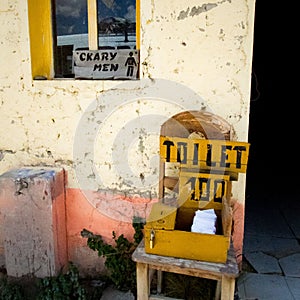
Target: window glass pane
(117, 23)
(116, 28)
(71, 17)
(71, 31)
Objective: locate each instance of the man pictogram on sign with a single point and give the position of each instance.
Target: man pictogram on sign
(130, 62)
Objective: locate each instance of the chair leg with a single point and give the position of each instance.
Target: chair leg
(218, 290)
(142, 276)
(159, 281)
(227, 288)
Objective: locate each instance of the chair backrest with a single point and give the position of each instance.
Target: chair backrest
(174, 175)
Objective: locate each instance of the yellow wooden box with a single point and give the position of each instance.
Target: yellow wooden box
(206, 171)
(168, 226)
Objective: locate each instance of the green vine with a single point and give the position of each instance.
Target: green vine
(122, 269)
(10, 291)
(65, 286)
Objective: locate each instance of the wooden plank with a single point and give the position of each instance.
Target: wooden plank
(92, 24)
(160, 297)
(41, 40)
(159, 281)
(143, 281)
(208, 124)
(225, 273)
(161, 184)
(218, 290)
(151, 274)
(231, 156)
(204, 269)
(191, 245)
(162, 216)
(138, 24)
(106, 64)
(171, 183)
(226, 217)
(199, 190)
(227, 288)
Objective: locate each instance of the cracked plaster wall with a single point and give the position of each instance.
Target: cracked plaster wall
(205, 47)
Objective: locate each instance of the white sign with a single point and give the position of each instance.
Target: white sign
(106, 64)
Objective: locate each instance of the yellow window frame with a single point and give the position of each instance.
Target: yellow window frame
(41, 35)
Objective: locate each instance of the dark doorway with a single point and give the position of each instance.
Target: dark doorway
(272, 205)
(274, 127)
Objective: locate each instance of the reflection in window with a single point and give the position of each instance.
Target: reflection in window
(71, 17)
(116, 28)
(117, 22)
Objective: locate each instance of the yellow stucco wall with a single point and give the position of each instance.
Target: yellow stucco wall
(194, 55)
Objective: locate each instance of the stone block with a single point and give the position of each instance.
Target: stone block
(33, 221)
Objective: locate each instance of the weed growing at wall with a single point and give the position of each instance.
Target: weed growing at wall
(118, 257)
(64, 286)
(10, 291)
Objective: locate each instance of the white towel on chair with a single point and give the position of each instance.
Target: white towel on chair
(204, 221)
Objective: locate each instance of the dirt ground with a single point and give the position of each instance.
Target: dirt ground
(174, 285)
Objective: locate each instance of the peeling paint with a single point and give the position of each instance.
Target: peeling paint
(195, 11)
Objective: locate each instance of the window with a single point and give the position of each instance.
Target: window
(84, 25)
